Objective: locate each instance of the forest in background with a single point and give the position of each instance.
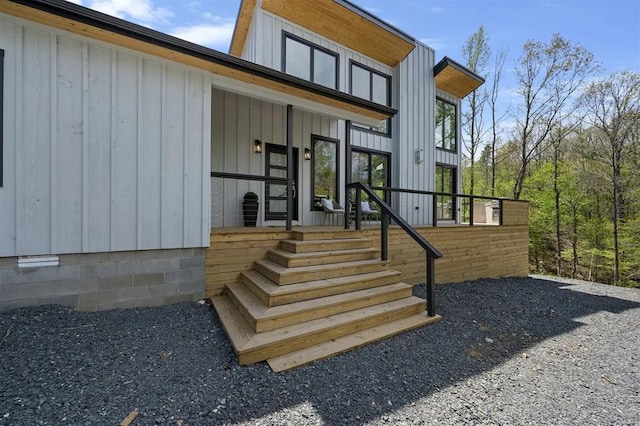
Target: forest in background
(568, 142)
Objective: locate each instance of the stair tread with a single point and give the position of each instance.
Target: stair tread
(302, 246)
(271, 337)
(316, 254)
(283, 270)
(274, 289)
(237, 328)
(260, 311)
(349, 342)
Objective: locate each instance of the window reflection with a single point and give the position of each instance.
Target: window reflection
(325, 171)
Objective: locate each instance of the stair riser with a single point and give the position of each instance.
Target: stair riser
(243, 311)
(328, 235)
(322, 260)
(282, 321)
(337, 271)
(292, 247)
(299, 342)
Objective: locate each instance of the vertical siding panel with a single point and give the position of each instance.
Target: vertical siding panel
(150, 156)
(53, 182)
(206, 163)
(217, 156)
(172, 159)
(85, 147)
(20, 187)
(231, 197)
(68, 154)
(124, 153)
(243, 143)
(99, 155)
(9, 42)
(36, 141)
(185, 157)
(194, 167)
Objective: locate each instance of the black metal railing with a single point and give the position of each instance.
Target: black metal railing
(258, 178)
(386, 213)
(465, 213)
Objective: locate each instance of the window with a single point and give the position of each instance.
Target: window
(370, 168)
(446, 125)
(324, 169)
(310, 62)
(1, 115)
(445, 182)
(373, 86)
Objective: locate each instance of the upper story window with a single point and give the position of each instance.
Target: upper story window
(309, 61)
(374, 86)
(446, 125)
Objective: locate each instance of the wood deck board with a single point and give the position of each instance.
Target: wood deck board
(273, 294)
(237, 328)
(349, 342)
(297, 246)
(285, 276)
(293, 260)
(277, 342)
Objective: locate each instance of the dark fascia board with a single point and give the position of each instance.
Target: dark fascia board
(446, 61)
(97, 19)
(379, 22)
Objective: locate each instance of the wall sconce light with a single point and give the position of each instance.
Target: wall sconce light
(419, 155)
(307, 154)
(257, 146)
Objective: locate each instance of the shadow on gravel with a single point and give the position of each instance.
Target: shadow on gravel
(175, 363)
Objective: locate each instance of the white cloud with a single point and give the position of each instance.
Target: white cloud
(211, 35)
(75, 1)
(142, 11)
(434, 43)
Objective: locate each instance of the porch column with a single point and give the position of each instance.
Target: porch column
(289, 166)
(348, 167)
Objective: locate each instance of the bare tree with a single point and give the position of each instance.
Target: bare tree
(500, 59)
(548, 75)
(613, 110)
(477, 52)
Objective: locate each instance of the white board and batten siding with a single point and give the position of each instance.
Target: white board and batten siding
(105, 149)
(239, 120)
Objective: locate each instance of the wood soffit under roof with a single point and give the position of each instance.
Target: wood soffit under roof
(456, 79)
(338, 21)
(95, 25)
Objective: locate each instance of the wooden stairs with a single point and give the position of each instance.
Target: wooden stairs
(320, 294)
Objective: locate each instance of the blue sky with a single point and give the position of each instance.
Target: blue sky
(609, 28)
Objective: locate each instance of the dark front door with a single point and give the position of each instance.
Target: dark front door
(276, 193)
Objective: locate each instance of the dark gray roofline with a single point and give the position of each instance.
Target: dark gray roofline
(119, 26)
(379, 22)
(446, 61)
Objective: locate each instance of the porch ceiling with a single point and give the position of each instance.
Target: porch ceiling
(338, 20)
(456, 79)
(275, 85)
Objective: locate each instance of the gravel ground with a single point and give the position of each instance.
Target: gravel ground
(508, 351)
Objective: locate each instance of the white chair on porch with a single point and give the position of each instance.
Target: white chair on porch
(331, 208)
(367, 211)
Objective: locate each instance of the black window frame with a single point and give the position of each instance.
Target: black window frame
(369, 153)
(314, 140)
(361, 127)
(456, 118)
(312, 46)
(454, 188)
(1, 117)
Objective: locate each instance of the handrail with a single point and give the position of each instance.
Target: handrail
(386, 211)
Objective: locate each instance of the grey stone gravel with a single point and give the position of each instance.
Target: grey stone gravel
(509, 351)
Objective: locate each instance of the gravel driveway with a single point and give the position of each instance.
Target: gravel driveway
(508, 351)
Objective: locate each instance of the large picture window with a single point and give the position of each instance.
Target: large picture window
(324, 170)
(446, 125)
(1, 116)
(446, 182)
(371, 168)
(310, 62)
(373, 86)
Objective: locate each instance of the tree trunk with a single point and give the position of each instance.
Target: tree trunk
(556, 193)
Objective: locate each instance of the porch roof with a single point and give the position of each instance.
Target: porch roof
(338, 20)
(456, 79)
(234, 73)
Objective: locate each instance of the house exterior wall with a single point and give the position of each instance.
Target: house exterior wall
(106, 149)
(106, 157)
(236, 122)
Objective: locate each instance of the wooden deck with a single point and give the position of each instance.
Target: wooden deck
(292, 297)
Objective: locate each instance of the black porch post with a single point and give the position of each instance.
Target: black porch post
(289, 167)
(347, 178)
